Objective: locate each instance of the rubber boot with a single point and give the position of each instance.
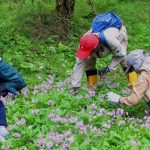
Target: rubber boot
(132, 78)
(92, 78)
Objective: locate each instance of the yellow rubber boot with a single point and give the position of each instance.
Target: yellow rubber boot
(92, 81)
(92, 78)
(132, 78)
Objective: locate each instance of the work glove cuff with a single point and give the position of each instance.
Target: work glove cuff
(103, 72)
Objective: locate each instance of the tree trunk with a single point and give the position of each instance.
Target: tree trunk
(65, 8)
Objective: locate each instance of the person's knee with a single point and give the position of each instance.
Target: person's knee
(20, 85)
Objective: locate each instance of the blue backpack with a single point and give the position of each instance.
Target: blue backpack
(103, 22)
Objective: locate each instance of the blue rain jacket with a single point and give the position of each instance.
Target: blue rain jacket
(10, 80)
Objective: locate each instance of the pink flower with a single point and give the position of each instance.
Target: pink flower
(101, 112)
(16, 135)
(35, 111)
(119, 112)
(25, 91)
(92, 107)
(60, 86)
(133, 142)
(106, 125)
(67, 133)
(21, 121)
(41, 141)
(121, 122)
(49, 145)
(91, 93)
(50, 103)
(10, 127)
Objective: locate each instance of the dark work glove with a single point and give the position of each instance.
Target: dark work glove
(103, 72)
(74, 91)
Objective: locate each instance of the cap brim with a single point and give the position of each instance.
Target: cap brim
(83, 54)
(127, 69)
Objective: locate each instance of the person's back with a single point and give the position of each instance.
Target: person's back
(117, 40)
(10, 80)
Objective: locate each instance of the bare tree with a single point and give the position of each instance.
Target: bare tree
(65, 8)
(64, 11)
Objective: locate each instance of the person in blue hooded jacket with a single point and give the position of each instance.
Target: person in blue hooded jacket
(10, 82)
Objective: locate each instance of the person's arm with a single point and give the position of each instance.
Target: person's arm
(139, 90)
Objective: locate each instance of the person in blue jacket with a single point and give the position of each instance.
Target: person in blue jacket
(10, 82)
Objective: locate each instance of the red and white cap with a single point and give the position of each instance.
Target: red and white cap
(88, 43)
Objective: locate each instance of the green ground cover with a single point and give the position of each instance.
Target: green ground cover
(45, 116)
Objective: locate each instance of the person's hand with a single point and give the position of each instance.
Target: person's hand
(74, 91)
(103, 72)
(113, 97)
(3, 133)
